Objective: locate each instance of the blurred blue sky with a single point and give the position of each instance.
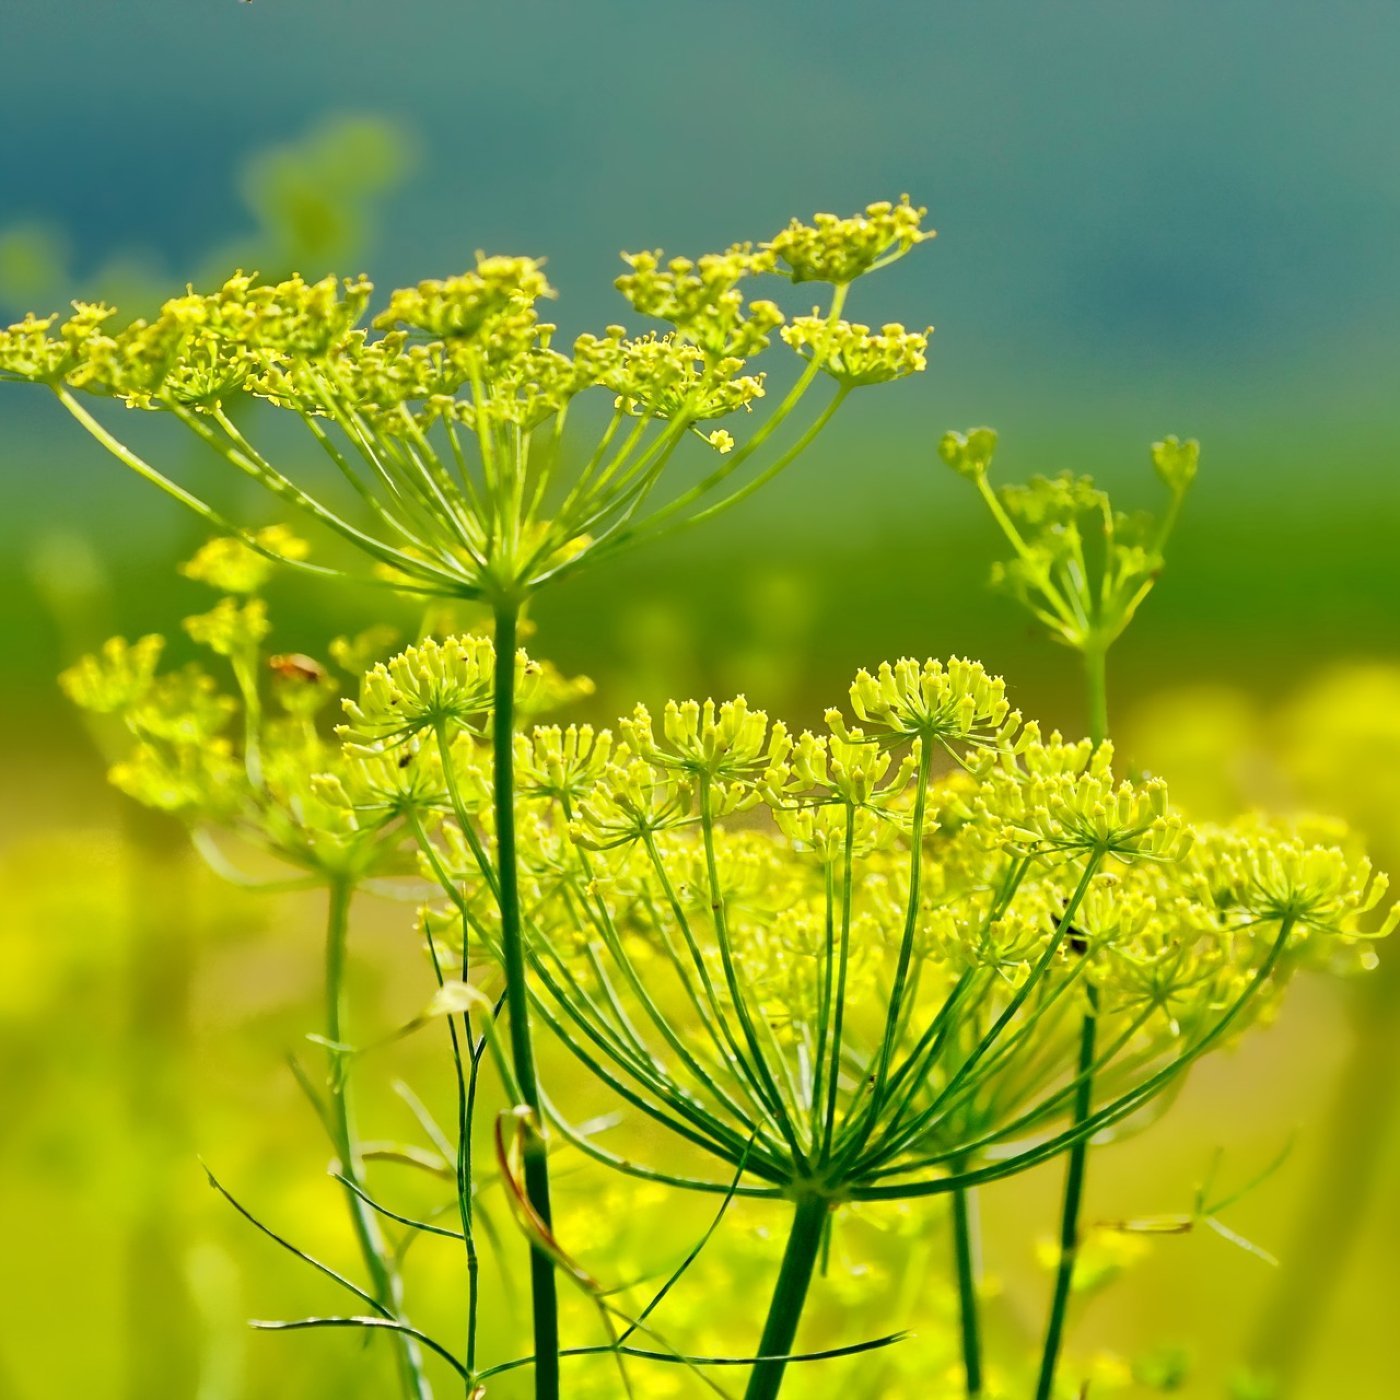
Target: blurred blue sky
(1165, 215)
(1125, 192)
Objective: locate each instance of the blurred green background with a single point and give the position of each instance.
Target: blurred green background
(1158, 217)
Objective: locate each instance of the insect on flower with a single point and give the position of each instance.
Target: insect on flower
(297, 666)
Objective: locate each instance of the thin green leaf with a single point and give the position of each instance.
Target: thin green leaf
(793, 1358)
(380, 1323)
(388, 1214)
(689, 1259)
(316, 1264)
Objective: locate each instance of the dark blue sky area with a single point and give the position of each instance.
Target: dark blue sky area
(1145, 186)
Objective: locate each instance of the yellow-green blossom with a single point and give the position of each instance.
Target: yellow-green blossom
(854, 355)
(229, 565)
(832, 249)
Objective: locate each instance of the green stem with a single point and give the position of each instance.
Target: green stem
(384, 1281)
(769, 472)
(466, 1112)
(245, 673)
(543, 1289)
(1073, 1200)
(965, 1255)
(1096, 676)
(1096, 679)
(789, 1295)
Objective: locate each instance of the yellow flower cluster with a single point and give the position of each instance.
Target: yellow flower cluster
(829, 958)
(252, 766)
(836, 250)
(854, 355)
(444, 413)
(447, 685)
(230, 566)
(702, 299)
(500, 292)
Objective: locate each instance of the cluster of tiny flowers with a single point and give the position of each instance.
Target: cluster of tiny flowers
(230, 566)
(840, 250)
(854, 354)
(429, 410)
(1319, 889)
(944, 703)
(703, 300)
(745, 929)
(1091, 815)
(251, 762)
(447, 685)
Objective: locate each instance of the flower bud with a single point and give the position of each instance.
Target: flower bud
(970, 453)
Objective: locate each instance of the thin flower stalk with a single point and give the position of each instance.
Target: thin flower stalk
(385, 1283)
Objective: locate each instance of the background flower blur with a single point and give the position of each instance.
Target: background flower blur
(1165, 217)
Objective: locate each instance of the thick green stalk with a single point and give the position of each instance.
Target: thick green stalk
(543, 1290)
(1073, 1200)
(789, 1296)
(384, 1281)
(965, 1256)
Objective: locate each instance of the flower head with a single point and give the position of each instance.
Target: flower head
(1080, 567)
(1176, 462)
(116, 678)
(561, 765)
(955, 702)
(1091, 815)
(1254, 876)
(435, 684)
(832, 249)
(230, 628)
(702, 299)
(631, 801)
(229, 565)
(969, 454)
(498, 296)
(854, 355)
(444, 415)
(842, 981)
